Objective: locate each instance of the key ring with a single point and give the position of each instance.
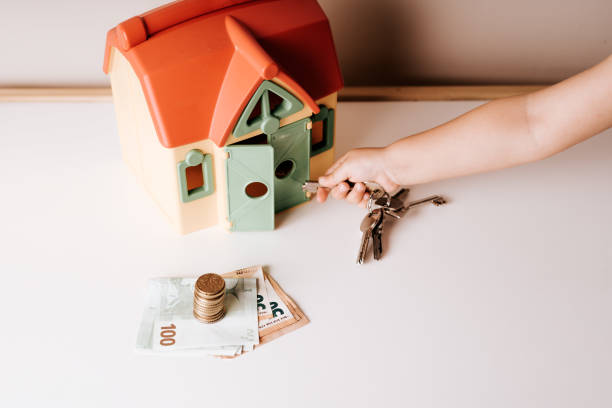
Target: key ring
(374, 195)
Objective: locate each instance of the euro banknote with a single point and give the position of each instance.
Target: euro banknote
(171, 301)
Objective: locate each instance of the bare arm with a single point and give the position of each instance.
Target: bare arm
(499, 134)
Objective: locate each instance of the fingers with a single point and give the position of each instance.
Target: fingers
(356, 194)
(356, 166)
(340, 191)
(333, 179)
(322, 194)
(364, 201)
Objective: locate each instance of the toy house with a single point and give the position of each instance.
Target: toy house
(225, 107)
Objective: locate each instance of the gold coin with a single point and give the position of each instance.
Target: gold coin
(202, 297)
(197, 301)
(207, 311)
(210, 284)
(209, 298)
(212, 319)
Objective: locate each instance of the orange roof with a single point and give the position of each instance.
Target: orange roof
(199, 61)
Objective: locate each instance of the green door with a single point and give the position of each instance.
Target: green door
(250, 187)
(291, 145)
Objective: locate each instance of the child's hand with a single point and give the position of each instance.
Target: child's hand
(357, 166)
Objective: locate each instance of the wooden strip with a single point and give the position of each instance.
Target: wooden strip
(434, 93)
(350, 93)
(55, 94)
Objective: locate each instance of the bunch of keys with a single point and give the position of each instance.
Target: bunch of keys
(381, 206)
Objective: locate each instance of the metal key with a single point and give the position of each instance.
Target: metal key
(375, 196)
(396, 208)
(310, 186)
(368, 225)
(436, 200)
(380, 207)
(377, 245)
(402, 194)
(387, 204)
(391, 203)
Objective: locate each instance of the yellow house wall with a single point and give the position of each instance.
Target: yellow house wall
(154, 165)
(125, 110)
(219, 163)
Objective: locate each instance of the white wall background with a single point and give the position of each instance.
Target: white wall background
(380, 42)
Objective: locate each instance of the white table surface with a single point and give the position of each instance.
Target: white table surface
(500, 299)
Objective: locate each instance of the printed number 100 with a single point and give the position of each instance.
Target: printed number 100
(167, 335)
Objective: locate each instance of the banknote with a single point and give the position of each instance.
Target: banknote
(170, 306)
(287, 317)
(168, 323)
(286, 314)
(263, 304)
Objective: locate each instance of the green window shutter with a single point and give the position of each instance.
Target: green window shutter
(327, 116)
(194, 158)
(268, 121)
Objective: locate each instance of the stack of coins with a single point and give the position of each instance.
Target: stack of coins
(208, 298)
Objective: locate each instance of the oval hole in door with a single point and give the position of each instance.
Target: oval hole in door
(256, 189)
(284, 169)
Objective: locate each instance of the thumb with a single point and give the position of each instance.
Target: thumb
(336, 177)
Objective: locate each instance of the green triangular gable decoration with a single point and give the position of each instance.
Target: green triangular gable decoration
(268, 120)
